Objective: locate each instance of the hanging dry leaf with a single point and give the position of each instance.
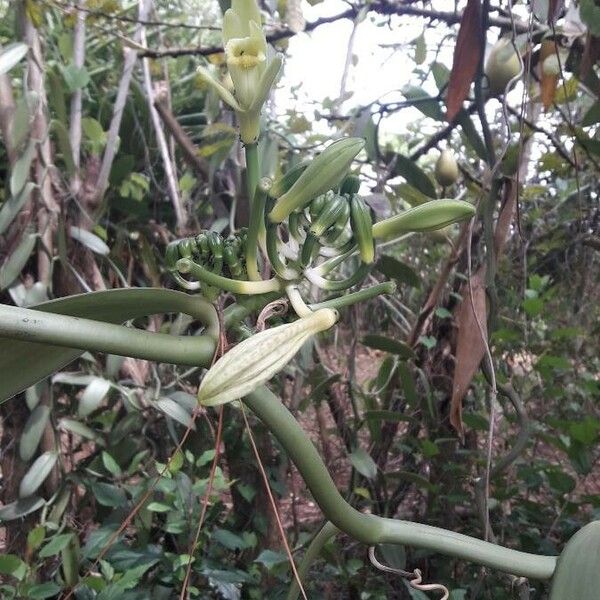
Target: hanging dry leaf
(554, 9)
(549, 72)
(466, 58)
(470, 347)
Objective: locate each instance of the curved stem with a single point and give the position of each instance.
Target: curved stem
(249, 288)
(30, 325)
(389, 287)
(372, 529)
(277, 263)
(328, 531)
(340, 285)
(257, 222)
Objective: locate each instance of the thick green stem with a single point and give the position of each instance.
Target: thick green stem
(328, 531)
(389, 287)
(85, 334)
(372, 529)
(256, 224)
(252, 171)
(249, 288)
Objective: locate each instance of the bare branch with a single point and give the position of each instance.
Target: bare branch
(180, 215)
(188, 148)
(382, 7)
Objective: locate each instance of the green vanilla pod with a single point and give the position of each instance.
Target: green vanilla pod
(426, 217)
(285, 182)
(350, 185)
(362, 228)
(336, 208)
(254, 361)
(324, 173)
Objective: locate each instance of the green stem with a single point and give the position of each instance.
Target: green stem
(340, 285)
(372, 529)
(389, 287)
(328, 531)
(252, 171)
(37, 326)
(257, 222)
(277, 263)
(185, 265)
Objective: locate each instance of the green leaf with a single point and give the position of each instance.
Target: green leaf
(93, 396)
(363, 463)
(10, 564)
(32, 432)
(158, 507)
(421, 100)
(37, 474)
(64, 145)
(592, 116)
(75, 77)
(429, 448)
(108, 495)
(11, 55)
(78, 428)
(24, 363)
(55, 545)
(20, 171)
(228, 539)
(20, 508)
(386, 344)
(414, 175)
(20, 128)
(590, 15)
(269, 558)
(110, 464)
(14, 264)
(43, 590)
(471, 134)
(392, 268)
(420, 49)
(175, 411)
(13, 205)
(35, 538)
(89, 240)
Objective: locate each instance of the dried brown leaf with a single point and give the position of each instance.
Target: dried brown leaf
(467, 53)
(548, 80)
(470, 347)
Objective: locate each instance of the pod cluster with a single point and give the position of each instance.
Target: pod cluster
(222, 256)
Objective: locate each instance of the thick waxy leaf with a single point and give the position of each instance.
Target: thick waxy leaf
(414, 175)
(20, 508)
(14, 264)
(90, 240)
(392, 268)
(93, 395)
(11, 55)
(12, 206)
(363, 463)
(386, 344)
(24, 363)
(32, 432)
(175, 411)
(20, 170)
(37, 474)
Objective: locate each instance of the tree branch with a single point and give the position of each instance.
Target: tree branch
(382, 8)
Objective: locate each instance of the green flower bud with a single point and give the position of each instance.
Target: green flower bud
(426, 217)
(325, 172)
